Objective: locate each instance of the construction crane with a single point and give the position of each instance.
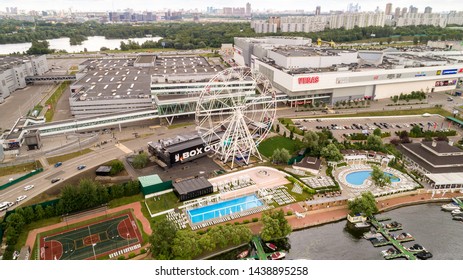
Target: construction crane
(320, 41)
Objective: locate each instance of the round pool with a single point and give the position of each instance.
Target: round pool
(357, 178)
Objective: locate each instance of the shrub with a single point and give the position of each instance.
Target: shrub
(143, 251)
(237, 223)
(121, 258)
(245, 222)
(255, 220)
(132, 255)
(289, 213)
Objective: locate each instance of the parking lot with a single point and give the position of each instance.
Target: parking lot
(342, 127)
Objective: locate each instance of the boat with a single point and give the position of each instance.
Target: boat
(403, 236)
(362, 225)
(371, 235)
(389, 252)
(416, 248)
(378, 240)
(458, 218)
(276, 256)
(393, 225)
(243, 254)
(424, 255)
(450, 206)
(271, 246)
(457, 212)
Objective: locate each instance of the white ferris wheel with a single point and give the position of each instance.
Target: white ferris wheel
(235, 112)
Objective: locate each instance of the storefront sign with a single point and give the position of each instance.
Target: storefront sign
(449, 71)
(308, 80)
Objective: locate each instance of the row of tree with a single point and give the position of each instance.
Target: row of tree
(191, 35)
(168, 243)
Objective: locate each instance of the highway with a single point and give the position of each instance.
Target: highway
(42, 182)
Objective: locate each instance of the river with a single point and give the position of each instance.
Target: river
(432, 228)
(93, 44)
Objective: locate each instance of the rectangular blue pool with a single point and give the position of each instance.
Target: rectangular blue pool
(224, 208)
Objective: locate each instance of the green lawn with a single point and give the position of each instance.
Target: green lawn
(267, 146)
(163, 202)
(177, 125)
(125, 200)
(53, 160)
(20, 168)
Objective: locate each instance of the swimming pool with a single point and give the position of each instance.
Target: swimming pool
(223, 208)
(358, 177)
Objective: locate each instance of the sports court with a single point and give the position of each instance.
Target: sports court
(91, 241)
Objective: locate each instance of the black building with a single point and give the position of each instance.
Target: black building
(192, 188)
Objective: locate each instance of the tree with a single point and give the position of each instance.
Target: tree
(15, 221)
(39, 212)
(39, 47)
(162, 239)
(49, 211)
(140, 160)
(186, 245)
(28, 215)
(379, 178)
(331, 153)
(377, 132)
(275, 225)
(365, 204)
(116, 167)
(277, 128)
(311, 140)
(416, 131)
(291, 135)
(374, 143)
(281, 156)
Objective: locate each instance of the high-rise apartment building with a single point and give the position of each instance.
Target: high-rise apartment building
(317, 10)
(388, 8)
(427, 10)
(397, 12)
(248, 9)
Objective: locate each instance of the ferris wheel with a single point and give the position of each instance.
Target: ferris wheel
(235, 112)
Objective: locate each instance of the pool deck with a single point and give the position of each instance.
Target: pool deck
(263, 176)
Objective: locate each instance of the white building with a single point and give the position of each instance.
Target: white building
(14, 70)
(413, 19)
(319, 22)
(306, 75)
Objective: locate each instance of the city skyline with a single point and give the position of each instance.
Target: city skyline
(261, 5)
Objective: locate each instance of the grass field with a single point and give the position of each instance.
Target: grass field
(62, 158)
(20, 168)
(267, 146)
(163, 202)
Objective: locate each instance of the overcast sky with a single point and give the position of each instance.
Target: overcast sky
(280, 5)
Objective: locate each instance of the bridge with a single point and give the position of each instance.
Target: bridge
(50, 78)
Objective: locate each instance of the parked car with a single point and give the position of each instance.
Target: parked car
(58, 164)
(28, 187)
(21, 198)
(54, 180)
(80, 167)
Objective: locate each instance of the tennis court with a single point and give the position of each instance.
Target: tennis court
(91, 241)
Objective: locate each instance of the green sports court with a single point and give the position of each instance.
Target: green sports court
(91, 241)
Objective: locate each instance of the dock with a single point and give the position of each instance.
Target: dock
(458, 201)
(404, 253)
(261, 255)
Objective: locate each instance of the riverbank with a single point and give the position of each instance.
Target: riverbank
(336, 211)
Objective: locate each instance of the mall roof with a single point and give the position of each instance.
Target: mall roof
(446, 178)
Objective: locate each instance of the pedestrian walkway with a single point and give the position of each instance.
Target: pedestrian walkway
(44, 162)
(124, 148)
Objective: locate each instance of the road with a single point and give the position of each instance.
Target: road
(67, 170)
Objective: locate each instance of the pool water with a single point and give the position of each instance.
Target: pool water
(357, 178)
(224, 208)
